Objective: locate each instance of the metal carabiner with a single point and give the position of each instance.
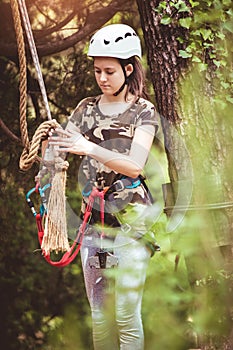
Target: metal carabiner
(41, 191)
(43, 207)
(30, 202)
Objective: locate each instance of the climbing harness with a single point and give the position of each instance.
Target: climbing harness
(104, 258)
(71, 254)
(119, 185)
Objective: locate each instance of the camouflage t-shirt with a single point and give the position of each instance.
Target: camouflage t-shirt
(114, 132)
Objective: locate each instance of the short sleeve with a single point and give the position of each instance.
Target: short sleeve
(147, 114)
(76, 116)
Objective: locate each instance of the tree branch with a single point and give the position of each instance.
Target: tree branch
(9, 133)
(38, 34)
(50, 47)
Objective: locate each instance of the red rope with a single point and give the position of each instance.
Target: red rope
(71, 254)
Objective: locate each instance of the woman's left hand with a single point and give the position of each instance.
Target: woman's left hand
(70, 141)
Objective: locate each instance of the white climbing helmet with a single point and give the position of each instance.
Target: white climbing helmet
(115, 40)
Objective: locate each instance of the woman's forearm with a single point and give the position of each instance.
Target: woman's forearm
(132, 164)
(120, 163)
(128, 164)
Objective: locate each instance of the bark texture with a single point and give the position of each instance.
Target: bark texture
(198, 140)
(166, 67)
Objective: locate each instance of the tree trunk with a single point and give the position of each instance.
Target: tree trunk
(165, 66)
(197, 138)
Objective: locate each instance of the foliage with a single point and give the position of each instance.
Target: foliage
(207, 36)
(46, 308)
(204, 237)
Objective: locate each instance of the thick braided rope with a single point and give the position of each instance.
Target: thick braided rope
(23, 73)
(29, 156)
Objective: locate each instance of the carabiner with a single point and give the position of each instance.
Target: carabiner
(41, 191)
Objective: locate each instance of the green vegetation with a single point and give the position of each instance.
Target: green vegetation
(46, 308)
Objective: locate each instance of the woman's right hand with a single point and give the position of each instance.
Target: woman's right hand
(70, 141)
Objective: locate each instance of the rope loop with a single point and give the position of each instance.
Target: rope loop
(29, 155)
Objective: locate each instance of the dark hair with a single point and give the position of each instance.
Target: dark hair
(136, 80)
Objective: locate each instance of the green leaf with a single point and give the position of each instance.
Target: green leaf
(166, 20)
(180, 39)
(181, 6)
(220, 35)
(228, 26)
(191, 46)
(229, 99)
(163, 4)
(202, 67)
(196, 59)
(212, 55)
(227, 2)
(206, 33)
(207, 45)
(225, 85)
(194, 3)
(184, 54)
(230, 12)
(185, 22)
(217, 63)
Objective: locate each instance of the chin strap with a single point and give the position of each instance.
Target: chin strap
(121, 89)
(125, 82)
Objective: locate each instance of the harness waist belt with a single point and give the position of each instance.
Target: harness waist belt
(121, 184)
(117, 186)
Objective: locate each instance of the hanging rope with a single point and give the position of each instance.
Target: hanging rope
(30, 152)
(56, 237)
(23, 73)
(34, 54)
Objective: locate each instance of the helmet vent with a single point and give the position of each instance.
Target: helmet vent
(118, 39)
(106, 42)
(128, 34)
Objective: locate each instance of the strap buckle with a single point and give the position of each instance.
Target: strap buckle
(119, 185)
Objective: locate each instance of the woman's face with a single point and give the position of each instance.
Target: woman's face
(109, 74)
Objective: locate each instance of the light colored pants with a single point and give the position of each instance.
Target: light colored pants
(117, 291)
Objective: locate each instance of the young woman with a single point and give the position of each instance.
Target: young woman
(114, 133)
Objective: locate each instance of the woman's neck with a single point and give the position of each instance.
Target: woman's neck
(116, 99)
(114, 105)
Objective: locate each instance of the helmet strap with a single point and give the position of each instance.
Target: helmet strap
(125, 82)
